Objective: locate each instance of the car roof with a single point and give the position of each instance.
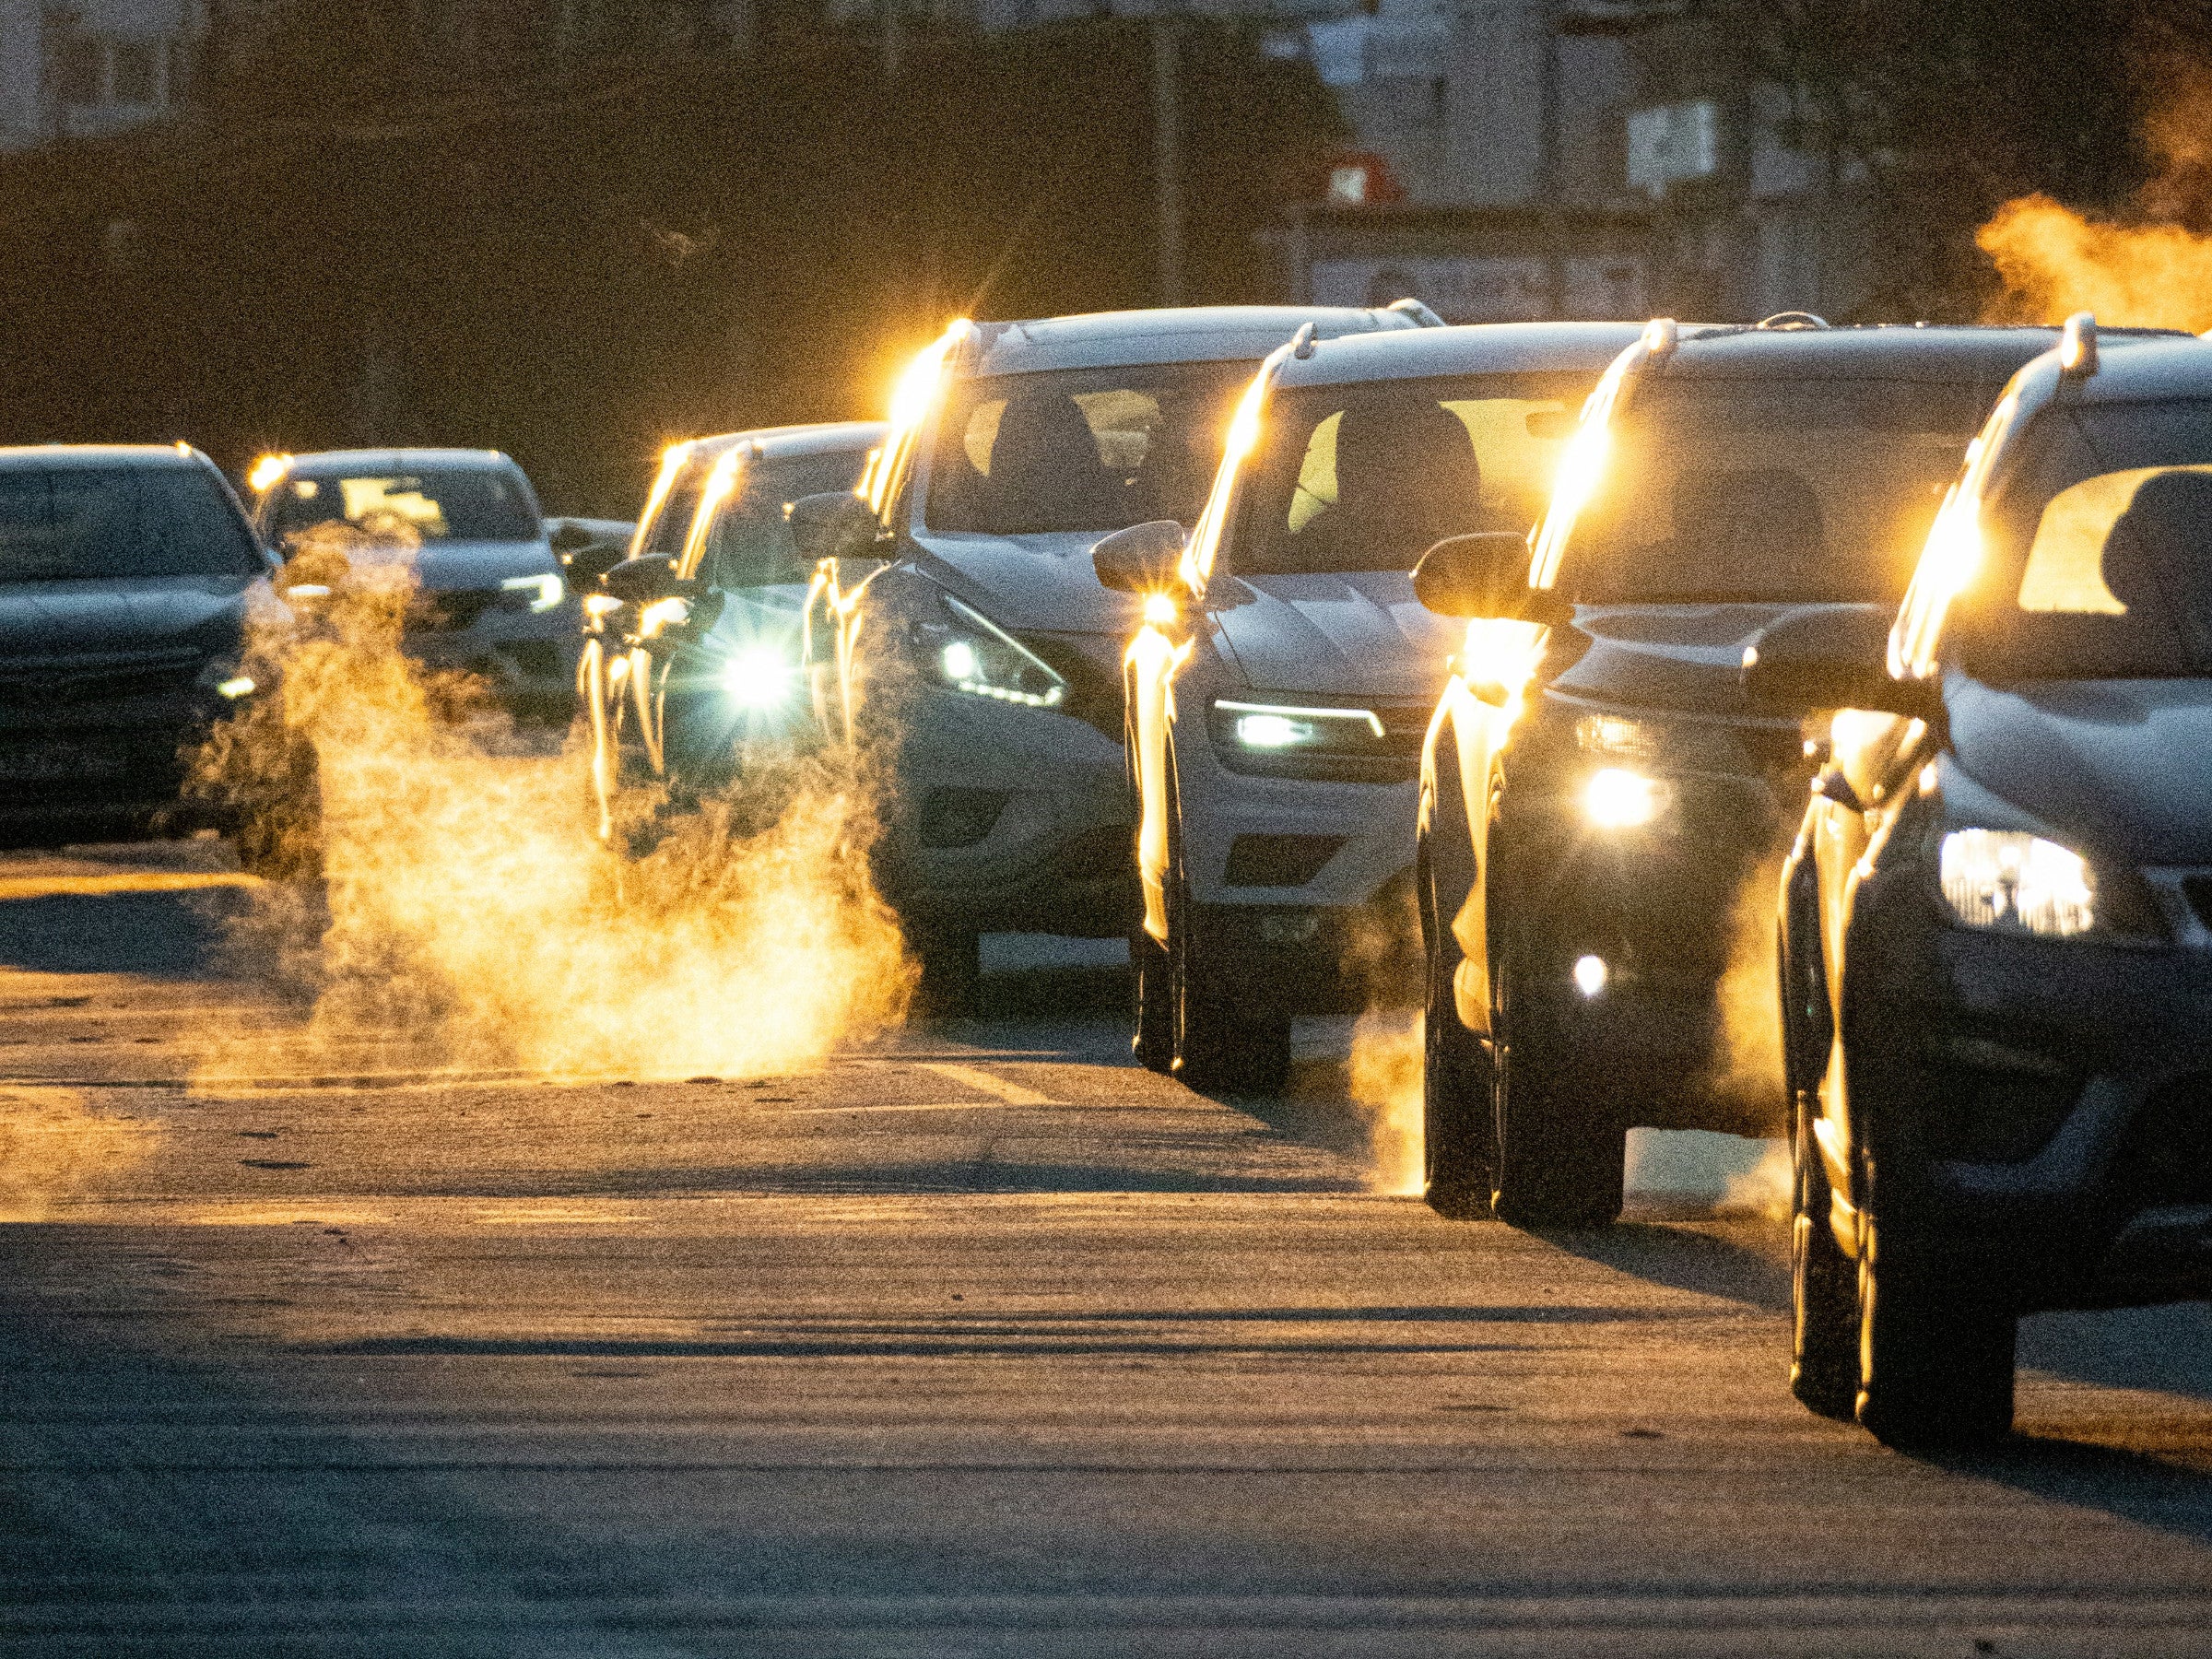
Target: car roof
(1195, 333)
(334, 461)
(819, 438)
(99, 454)
(2137, 368)
(1472, 349)
(1871, 351)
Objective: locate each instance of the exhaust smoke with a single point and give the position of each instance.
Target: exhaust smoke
(469, 916)
(54, 1145)
(1384, 1076)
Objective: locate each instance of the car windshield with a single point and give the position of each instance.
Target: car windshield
(474, 503)
(750, 544)
(1080, 448)
(80, 524)
(1369, 476)
(1771, 489)
(2098, 555)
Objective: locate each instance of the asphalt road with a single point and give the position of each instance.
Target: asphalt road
(982, 1342)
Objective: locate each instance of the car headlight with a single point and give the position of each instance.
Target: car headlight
(227, 681)
(2009, 878)
(542, 593)
(759, 676)
(1275, 728)
(1617, 798)
(968, 651)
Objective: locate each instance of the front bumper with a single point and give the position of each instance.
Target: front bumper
(2053, 1129)
(528, 657)
(1007, 819)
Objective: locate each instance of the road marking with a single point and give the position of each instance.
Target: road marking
(1013, 1094)
(957, 1106)
(142, 881)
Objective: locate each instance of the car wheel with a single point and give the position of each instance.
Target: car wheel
(1152, 996)
(1457, 1122)
(1824, 1309)
(1221, 1046)
(1936, 1354)
(952, 972)
(1561, 1149)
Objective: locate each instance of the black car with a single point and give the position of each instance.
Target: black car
(1997, 917)
(1596, 790)
(127, 577)
(692, 645)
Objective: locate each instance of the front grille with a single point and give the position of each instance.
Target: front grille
(76, 681)
(1278, 861)
(1405, 726)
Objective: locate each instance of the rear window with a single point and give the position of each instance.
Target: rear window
(81, 523)
(1369, 476)
(418, 504)
(1777, 489)
(2098, 559)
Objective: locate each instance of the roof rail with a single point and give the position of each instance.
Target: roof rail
(2078, 347)
(1793, 318)
(1304, 340)
(1422, 315)
(1661, 336)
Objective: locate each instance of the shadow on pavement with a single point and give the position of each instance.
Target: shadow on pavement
(169, 934)
(1686, 1260)
(2142, 1487)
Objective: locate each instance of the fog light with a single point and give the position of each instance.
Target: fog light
(235, 689)
(1590, 974)
(1617, 798)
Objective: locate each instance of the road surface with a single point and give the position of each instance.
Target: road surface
(982, 1342)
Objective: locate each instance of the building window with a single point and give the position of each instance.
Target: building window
(82, 72)
(135, 72)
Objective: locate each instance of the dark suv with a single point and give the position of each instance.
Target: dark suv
(1998, 918)
(127, 574)
(1596, 789)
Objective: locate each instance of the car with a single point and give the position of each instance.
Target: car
(1996, 917)
(691, 648)
(1599, 800)
(967, 648)
(1283, 676)
(490, 597)
(129, 579)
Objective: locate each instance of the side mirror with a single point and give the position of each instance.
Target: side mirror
(641, 580)
(835, 524)
(1141, 560)
(586, 562)
(1837, 657)
(1486, 575)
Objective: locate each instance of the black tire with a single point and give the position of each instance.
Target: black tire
(1824, 1292)
(1936, 1355)
(1222, 1045)
(1457, 1122)
(1561, 1148)
(1152, 1004)
(952, 972)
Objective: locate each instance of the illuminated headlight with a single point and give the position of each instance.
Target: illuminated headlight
(543, 591)
(759, 676)
(225, 680)
(1274, 727)
(970, 653)
(2009, 878)
(1613, 734)
(1615, 799)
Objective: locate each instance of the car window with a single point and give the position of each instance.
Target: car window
(1369, 476)
(68, 524)
(1090, 449)
(751, 542)
(2099, 557)
(417, 504)
(1773, 489)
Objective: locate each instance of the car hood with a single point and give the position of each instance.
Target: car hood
(1362, 633)
(1689, 657)
(2125, 763)
(49, 619)
(1035, 581)
(450, 566)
